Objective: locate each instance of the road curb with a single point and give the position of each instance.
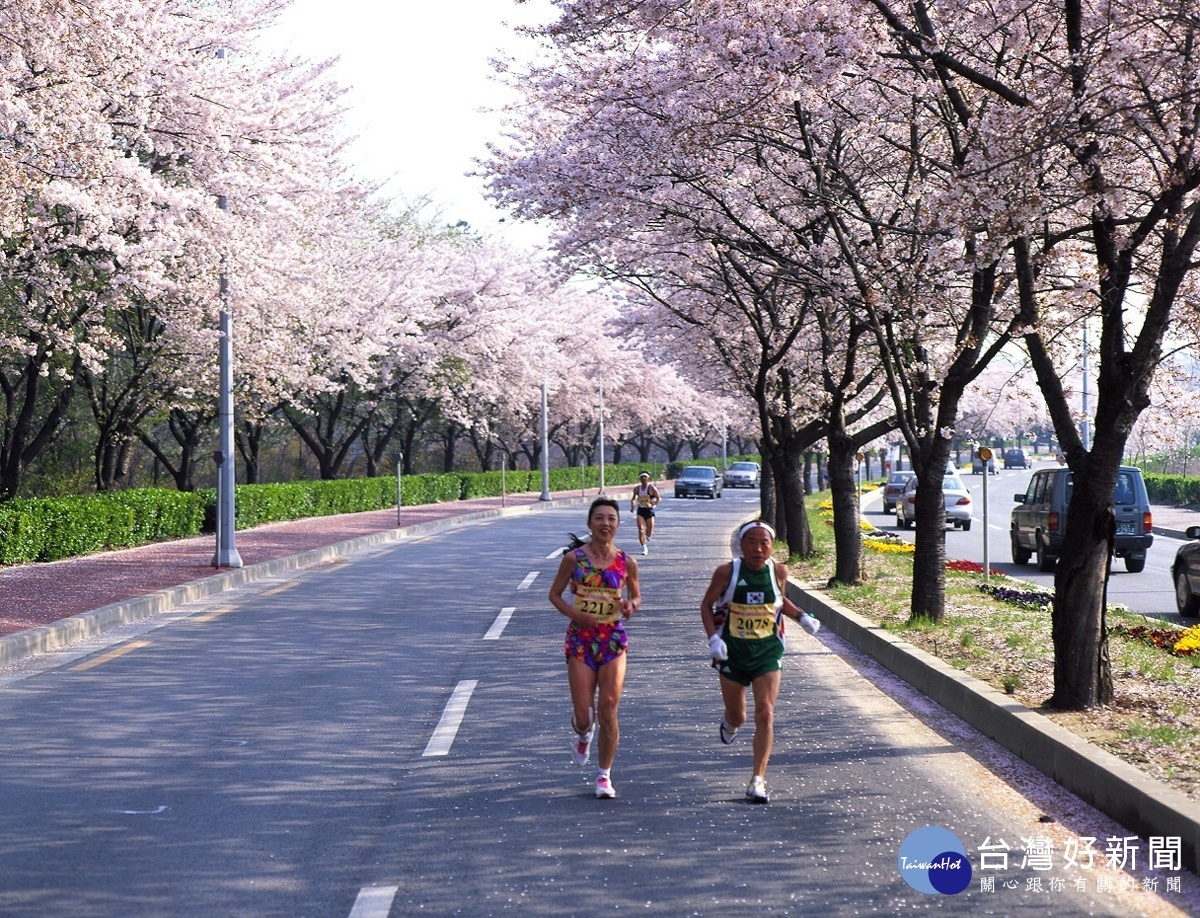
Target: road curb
(67, 631)
(1170, 533)
(1117, 789)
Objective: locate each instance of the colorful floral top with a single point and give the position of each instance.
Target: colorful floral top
(598, 591)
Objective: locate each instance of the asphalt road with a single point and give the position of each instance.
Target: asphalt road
(1150, 592)
(388, 736)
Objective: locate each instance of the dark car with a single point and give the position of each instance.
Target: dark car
(698, 481)
(894, 488)
(743, 475)
(1039, 521)
(1016, 459)
(977, 465)
(1186, 574)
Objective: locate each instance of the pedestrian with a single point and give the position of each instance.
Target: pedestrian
(644, 499)
(743, 611)
(603, 581)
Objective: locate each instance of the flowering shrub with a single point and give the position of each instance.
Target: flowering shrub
(1181, 644)
(1026, 599)
(1189, 642)
(889, 546)
(826, 504)
(970, 567)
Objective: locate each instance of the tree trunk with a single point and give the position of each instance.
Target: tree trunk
(767, 496)
(1082, 673)
(799, 536)
(929, 558)
(249, 444)
(847, 531)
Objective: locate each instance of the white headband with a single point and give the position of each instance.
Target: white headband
(752, 525)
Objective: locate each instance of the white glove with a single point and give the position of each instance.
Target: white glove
(717, 648)
(809, 624)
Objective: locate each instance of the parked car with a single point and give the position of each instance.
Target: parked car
(698, 480)
(1039, 521)
(743, 475)
(1016, 459)
(957, 498)
(977, 466)
(1186, 574)
(894, 488)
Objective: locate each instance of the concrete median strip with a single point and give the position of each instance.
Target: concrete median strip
(1115, 788)
(67, 631)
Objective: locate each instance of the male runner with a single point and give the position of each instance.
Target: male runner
(645, 498)
(749, 594)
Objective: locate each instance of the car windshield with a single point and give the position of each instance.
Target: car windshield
(742, 467)
(1123, 493)
(699, 473)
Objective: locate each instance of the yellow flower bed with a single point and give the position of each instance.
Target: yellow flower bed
(894, 548)
(1189, 641)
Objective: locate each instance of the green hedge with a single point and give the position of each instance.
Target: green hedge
(1175, 490)
(49, 529)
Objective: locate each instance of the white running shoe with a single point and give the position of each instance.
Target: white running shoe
(756, 790)
(581, 746)
(645, 548)
(728, 734)
(604, 787)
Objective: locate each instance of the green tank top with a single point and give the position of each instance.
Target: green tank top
(754, 602)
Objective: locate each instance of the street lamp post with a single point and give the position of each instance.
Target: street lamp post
(226, 554)
(545, 447)
(1085, 432)
(601, 437)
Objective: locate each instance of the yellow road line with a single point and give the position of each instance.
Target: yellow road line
(280, 588)
(111, 655)
(215, 613)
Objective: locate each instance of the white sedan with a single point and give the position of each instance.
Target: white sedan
(958, 503)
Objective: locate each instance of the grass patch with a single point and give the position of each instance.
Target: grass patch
(1006, 643)
(1159, 734)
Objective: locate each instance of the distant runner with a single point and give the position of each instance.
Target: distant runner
(598, 574)
(645, 498)
(743, 611)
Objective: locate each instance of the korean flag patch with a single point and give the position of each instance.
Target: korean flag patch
(756, 598)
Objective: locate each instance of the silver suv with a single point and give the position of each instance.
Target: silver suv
(1039, 520)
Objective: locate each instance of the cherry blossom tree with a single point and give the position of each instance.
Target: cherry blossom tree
(1092, 176)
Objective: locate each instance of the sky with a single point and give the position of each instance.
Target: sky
(419, 75)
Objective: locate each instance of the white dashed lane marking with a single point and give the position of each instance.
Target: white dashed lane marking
(452, 718)
(497, 629)
(374, 902)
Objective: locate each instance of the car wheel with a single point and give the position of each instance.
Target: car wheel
(889, 508)
(1135, 565)
(1187, 602)
(1045, 560)
(1019, 555)
(966, 526)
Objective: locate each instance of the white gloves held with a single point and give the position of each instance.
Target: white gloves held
(809, 624)
(717, 648)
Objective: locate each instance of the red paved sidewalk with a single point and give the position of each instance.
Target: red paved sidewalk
(38, 594)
